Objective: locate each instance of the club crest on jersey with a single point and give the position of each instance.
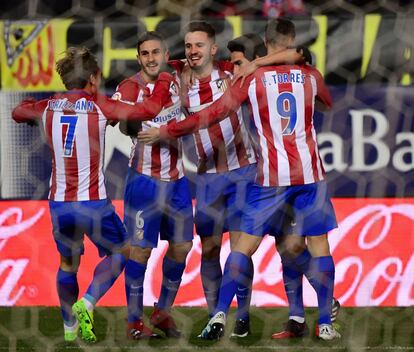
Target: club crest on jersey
(117, 96)
(221, 85)
(173, 87)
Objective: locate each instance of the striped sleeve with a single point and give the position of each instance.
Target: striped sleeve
(29, 110)
(229, 102)
(118, 110)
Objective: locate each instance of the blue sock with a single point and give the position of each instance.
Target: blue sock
(134, 288)
(105, 274)
(68, 291)
(292, 278)
(211, 277)
(322, 277)
(172, 273)
(235, 274)
(244, 294)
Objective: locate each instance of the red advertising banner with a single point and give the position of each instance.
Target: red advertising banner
(373, 249)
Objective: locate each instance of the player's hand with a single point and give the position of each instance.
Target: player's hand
(130, 128)
(187, 76)
(306, 54)
(149, 136)
(167, 68)
(244, 71)
(33, 122)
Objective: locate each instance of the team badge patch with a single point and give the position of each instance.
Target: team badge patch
(117, 96)
(221, 85)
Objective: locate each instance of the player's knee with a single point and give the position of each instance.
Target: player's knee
(247, 244)
(318, 245)
(139, 254)
(185, 247)
(69, 264)
(179, 251)
(210, 247)
(290, 245)
(210, 252)
(294, 249)
(125, 251)
(234, 237)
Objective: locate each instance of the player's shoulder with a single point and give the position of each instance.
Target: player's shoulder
(128, 89)
(177, 65)
(309, 69)
(101, 100)
(59, 95)
(264, 70)
(127, 83)
(224, 66)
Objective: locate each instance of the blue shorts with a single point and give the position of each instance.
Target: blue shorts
(221, 199)
(97, 219)
(304, 210)
(155, 207)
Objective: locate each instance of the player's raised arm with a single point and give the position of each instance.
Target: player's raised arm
(29, 111)
(147, 110)
(229, 102)
(288, 56)
(323, 97)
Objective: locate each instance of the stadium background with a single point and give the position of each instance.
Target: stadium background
(364, 50)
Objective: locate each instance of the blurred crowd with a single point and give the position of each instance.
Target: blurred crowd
(25, 9)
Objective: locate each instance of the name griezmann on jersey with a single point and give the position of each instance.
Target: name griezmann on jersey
(82, 105)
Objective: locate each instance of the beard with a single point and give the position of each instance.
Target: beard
(152, 74)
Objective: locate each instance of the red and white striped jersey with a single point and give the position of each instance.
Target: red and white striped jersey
(282, 100)
(162, 160)
(74, 124)
(225, 146)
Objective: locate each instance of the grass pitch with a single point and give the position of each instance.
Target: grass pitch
(362, 329)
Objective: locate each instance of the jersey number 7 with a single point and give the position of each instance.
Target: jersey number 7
(68, 121)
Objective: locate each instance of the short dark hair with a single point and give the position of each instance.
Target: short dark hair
(251, 45)
(201, 26)
(278, 30)
(151, 35)
(76, 67)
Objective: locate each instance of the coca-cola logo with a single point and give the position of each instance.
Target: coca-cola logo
(11, 270)
(385, 264)
(371, 267)
(373, 249)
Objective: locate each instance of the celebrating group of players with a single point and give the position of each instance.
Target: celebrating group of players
(259, 172)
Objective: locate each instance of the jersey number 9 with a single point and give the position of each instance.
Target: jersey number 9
(286, 108)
